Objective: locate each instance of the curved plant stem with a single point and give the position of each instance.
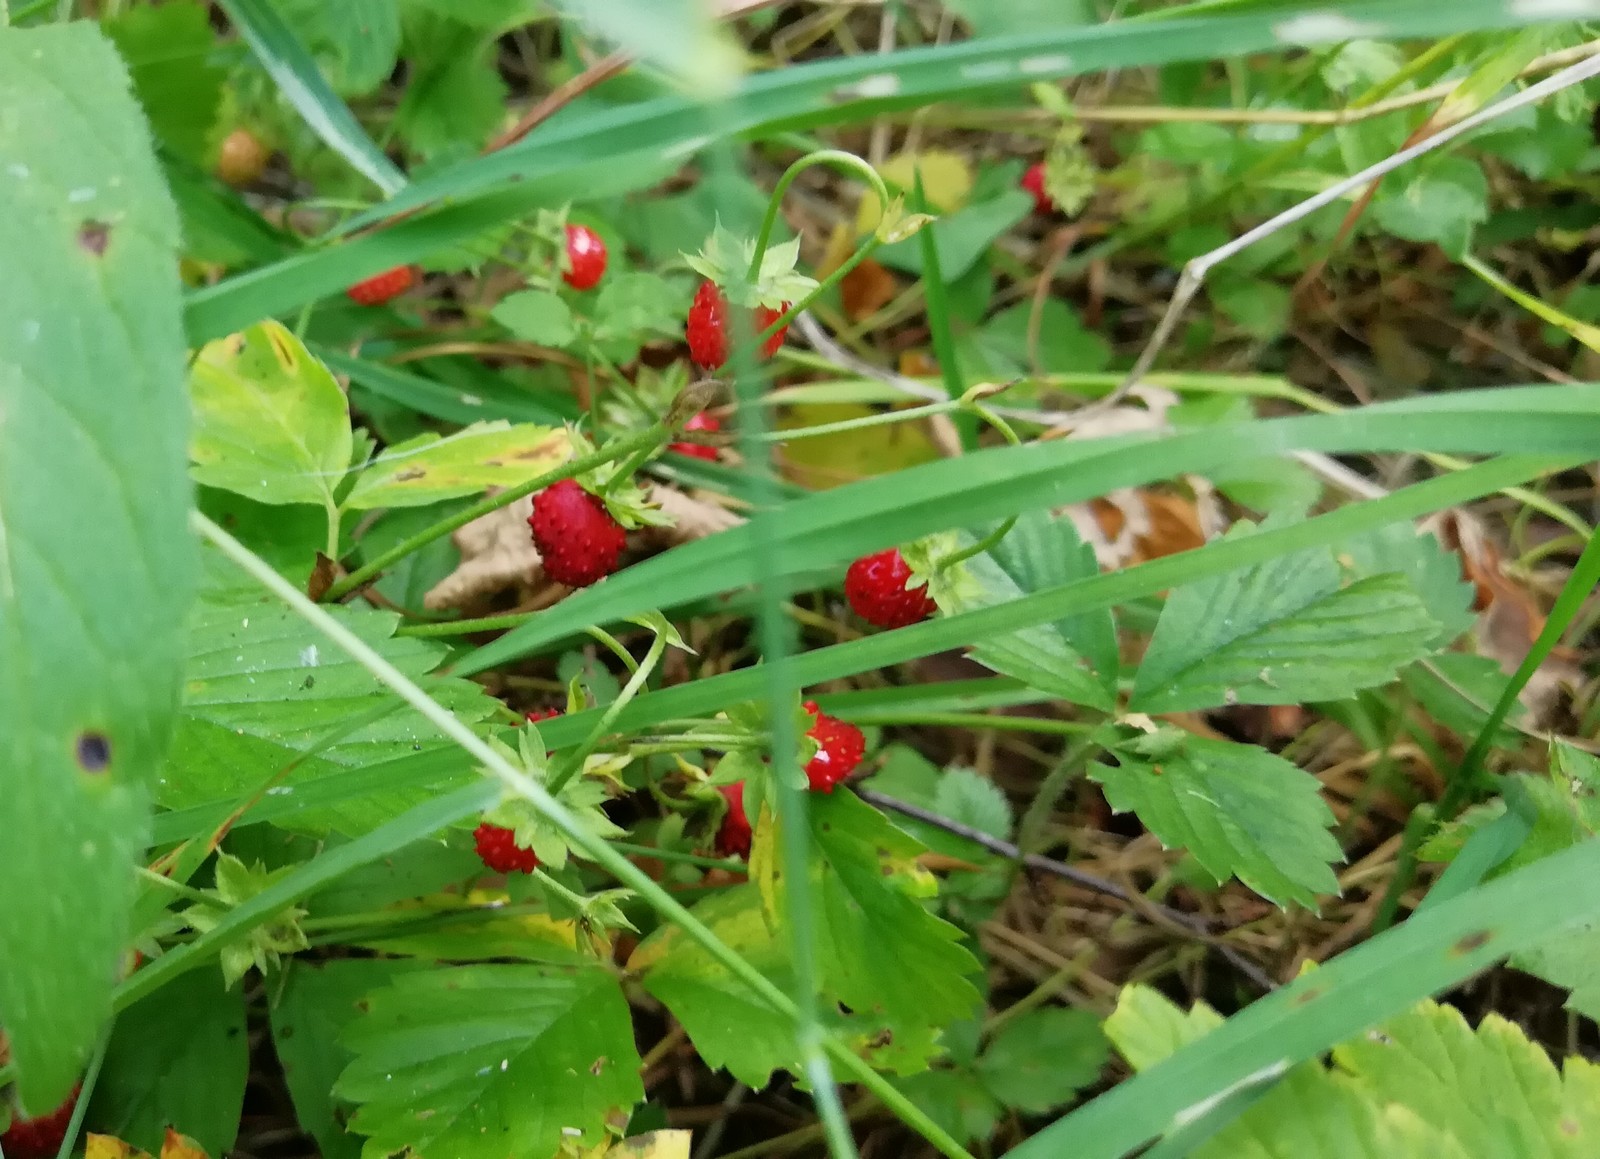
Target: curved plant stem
(601, 852)
(839, 159)
(650, 437)
(571, 761)
(466, 627)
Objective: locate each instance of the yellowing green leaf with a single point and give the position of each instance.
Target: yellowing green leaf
(429, 468)
(835, 459)
(946, 183)
(270, 421)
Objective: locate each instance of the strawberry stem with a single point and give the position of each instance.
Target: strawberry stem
(839, 159)
(571, 762)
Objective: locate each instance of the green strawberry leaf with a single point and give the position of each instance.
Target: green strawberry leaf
(356, 41)
(1240, 810)
(537, 316)
(177, 1058)
(169, 51)
(317, 1001)
(98, 563)
(1039, 1060)
(1147, 1026)
(1435, 573)
(266, 693)
(481, 1062)
(1281, 632)
(429, 467)
(270, 421)
(455, 97)
(975, 801)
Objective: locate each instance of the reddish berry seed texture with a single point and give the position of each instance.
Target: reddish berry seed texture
(875, 585)
(733, 839)
(498, 849)
(1033, 182)
(707, 329)
(841, 748)
(384, 287)
(586, 258)
(700, 422)
(39, 1138)
(576, 535)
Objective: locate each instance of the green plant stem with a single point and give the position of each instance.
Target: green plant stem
(80, 1108)
(839, 159)
(983, 545)
(601, 852)
(887, 418)
(465, 627)
(571, 762)
(1465, 780)
(972, 720)
(614, 646)
(177, 887)
(651, 436)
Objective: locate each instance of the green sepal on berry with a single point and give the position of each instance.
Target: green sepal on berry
(955, 589)
(624, 499)
(726, 260)
(583, 796)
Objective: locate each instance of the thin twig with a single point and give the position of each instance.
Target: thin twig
(1190, 923)
(1194, 273)
(559, 98)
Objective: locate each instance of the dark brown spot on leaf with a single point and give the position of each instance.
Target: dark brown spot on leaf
(93, 752)
(1476, 940)
(409, 474)
(598, 1065)
(1307, 996)
(94, 236)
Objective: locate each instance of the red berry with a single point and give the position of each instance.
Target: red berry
(875, 585)
(586, 258)
(539, 714)
(733, 839)
(841, 748)
(707, 329)
(498, 849)
(384, 287)
(576, 535)
(39, 1138)
(700, 422)
(1033, 182)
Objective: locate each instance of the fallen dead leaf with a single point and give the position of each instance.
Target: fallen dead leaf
(1135, 525)
(867, 289)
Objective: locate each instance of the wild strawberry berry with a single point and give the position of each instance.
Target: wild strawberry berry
(576, 535)
(241, 159)
(384, 287)
(733, 838)
(498, 849)
(1033, 182)
(875, 585)
(707, 329)
(538, 714)
(39, 1138)
(700, 422)
(586, 258)
(841, 748)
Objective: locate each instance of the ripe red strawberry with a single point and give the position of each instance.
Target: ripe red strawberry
(875, 585)
(842, 747)
(700, 422)
(498, 849)
(707, 329)
(384, 287)
(39, 1138)
(733, 838)
(586, 258)
(539, 714)
(1033, 182)
(576, 535)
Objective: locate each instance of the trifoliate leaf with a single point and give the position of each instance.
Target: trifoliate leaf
(266, 943)
(1281, 632)
(430, 468)
(481, 1062)
(1240, 810)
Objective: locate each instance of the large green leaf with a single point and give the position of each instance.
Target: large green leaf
(481, 1062)
(96, 565)
(472, 195)
(1241, 811)
(179, 1059)
(429, 468)
(1282, 632)
(270, 705)
(270, 421)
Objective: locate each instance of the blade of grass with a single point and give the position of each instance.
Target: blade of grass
(937, 306)
(303, 86)
(837, 525)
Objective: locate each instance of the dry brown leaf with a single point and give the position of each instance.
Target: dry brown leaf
(692, 518)
(1134, 525)
(497, 553)
(867, 289)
